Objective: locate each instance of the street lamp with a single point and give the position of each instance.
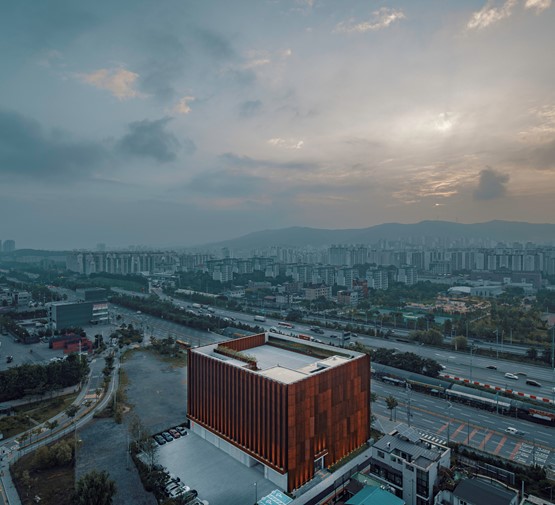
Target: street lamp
(255, 494)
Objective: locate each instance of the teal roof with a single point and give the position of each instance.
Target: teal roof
(371, 495)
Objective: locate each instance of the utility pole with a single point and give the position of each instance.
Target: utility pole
(449, 423)
(409, 390)
(497, 342)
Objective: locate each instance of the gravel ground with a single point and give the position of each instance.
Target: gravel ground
(157, 391)
(157, 394)
(103, 447)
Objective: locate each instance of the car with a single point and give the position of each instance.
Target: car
(521, 373)
(513, 431)
(443, 367)
(333, 336)
(9, 359)
(174, 433)
(274, 329)
(532, 382)
(160, 440)
(511, 376)
(317, 330)
(492, 367)
(181, 429)
(167, 436)
(346, 333)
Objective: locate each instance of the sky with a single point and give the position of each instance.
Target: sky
(183, 122)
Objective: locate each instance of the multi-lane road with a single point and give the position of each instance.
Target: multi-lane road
(434, 417)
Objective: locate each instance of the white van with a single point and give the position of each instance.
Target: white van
(513, 431)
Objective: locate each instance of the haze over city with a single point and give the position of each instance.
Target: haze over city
(181, 123)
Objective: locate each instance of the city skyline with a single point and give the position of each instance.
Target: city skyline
(181, 124)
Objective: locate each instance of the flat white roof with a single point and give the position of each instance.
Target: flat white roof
(284, 365)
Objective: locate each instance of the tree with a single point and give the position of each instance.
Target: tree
(71, 411)
(95, 488)
(391, 403)
(532, 353)
(460, 343)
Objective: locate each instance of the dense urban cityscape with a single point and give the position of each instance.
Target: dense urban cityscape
(277, 252)
(395, 372)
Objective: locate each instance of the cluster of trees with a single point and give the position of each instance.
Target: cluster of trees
(127, 334)
(58, 454)
(25, 379)
(166, 346)
(166, 310)
(404, 360)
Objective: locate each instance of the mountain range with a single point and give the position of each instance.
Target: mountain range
(496, 231)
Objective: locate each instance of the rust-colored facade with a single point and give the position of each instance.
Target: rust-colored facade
(285, 426)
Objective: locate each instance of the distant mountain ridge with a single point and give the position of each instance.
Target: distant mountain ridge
(498, 231)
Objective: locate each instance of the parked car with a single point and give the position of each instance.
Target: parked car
(174, 433)
(160, 440)
(511, 376)
(182, 431)
(167, 436)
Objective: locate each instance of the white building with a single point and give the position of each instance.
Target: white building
(409, 464)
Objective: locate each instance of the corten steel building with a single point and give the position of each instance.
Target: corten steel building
(293, 406)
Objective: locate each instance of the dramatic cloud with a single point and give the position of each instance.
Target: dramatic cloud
(381, 18)
(490, 14)
(118, 81)
(539, 5)
(27, 151)
(491, 185)
(183, 106)
(150, 139)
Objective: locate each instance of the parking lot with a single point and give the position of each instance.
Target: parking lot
(216, 476)
(156, 393)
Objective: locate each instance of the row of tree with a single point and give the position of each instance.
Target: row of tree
(25, 379)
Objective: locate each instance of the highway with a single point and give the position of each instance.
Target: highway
(434, 417)
(438, 419)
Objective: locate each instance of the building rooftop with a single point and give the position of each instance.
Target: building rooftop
(286, 365)
(480, 492)
(409, 446)
(371, 495)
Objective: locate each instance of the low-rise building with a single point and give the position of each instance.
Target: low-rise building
(409, 464)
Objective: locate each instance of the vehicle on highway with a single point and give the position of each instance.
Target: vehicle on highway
(167, 436)
(513, 431)
(511, 376)
(521, 373)
(9, 359)
(160, 440)
(260, 318)
(274, 329)
(333, 336)
(492, 367)
(315, 329)
(285, 324)
(174, 433)
(532, 382)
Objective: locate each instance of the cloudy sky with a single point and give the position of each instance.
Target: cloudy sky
(165, 122)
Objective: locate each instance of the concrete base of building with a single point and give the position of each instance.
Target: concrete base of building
(279, 479)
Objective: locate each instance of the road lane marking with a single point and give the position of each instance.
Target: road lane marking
(515, 450)
(486, 438)
(500, 444)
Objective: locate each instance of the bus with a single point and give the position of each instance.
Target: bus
(284, 324)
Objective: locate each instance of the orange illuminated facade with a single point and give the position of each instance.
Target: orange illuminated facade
(292, 405)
